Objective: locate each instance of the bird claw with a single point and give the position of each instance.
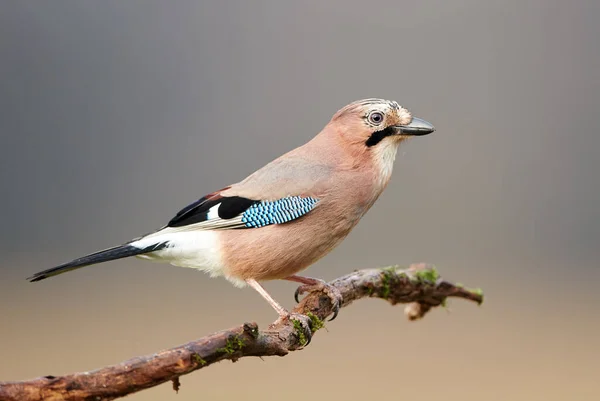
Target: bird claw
(297, 294)
(332, 292)
(305, 323)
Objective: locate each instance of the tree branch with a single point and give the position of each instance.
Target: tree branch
(419, 286)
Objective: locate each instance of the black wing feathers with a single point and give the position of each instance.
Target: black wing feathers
(229, 207)
(194, 213)
(233, 206)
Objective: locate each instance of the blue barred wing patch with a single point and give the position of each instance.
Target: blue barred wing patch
(280, 211)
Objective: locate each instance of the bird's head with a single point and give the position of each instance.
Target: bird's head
(370, 130)
(378, 123)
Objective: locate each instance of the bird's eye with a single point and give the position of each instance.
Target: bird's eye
(376, 118)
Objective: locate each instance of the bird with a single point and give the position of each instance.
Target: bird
(287, 215)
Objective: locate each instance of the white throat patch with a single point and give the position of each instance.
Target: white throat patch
(384, 155)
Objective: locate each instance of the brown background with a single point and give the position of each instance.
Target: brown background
(115, 114)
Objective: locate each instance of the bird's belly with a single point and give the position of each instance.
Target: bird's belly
(267, 253)
(277, 251)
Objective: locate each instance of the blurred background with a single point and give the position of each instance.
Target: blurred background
(114, 115)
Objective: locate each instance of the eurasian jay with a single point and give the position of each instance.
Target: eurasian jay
(287, 215)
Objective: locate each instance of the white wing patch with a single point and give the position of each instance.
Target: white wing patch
(213, 212)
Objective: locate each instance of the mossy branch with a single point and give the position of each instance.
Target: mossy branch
(419, 286)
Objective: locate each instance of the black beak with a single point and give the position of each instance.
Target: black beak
(417, 127)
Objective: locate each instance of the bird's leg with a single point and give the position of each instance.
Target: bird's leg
(310, 284)
(283, 313)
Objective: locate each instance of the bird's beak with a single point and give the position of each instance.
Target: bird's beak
(416, 127)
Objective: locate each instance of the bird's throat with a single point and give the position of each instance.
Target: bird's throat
(384, 156)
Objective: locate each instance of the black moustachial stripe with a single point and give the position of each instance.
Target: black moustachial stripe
(378, 136)
(229, 207)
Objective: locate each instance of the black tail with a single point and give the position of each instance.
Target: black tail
(117, 252)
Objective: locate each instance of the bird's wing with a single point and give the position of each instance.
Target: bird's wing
(217, 212)
(284, 190)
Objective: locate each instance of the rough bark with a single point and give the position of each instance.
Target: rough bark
(419, 286)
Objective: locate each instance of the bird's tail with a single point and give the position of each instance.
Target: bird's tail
(117, 252)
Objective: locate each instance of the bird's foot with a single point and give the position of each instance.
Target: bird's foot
(302, 326)
(313, 285)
